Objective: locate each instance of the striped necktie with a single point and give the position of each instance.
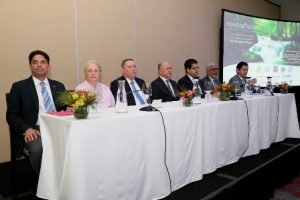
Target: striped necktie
(136, 93)
(46, 98)
(170, 87)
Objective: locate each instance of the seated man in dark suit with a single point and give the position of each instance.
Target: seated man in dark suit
(133, 85)
(187, 81)
(212, 74)
(29, 97)
(241, 75)
(163, 87)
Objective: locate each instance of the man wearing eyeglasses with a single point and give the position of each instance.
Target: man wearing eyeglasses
(27, 98)
(187, 81)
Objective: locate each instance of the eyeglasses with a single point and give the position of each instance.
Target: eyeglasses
(43, 62)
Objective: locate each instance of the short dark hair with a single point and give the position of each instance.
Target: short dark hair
(125, 60)
(241, 64)
(189, 62)
(38, 52)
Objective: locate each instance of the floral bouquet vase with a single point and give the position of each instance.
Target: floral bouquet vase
(224, 96)
(81, 112)
(284, 91)
(187, 102)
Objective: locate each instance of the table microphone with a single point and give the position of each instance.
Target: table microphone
(148, 108)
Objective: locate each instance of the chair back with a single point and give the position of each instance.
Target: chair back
(15, 142)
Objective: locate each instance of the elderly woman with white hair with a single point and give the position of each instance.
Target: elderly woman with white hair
(92, 72)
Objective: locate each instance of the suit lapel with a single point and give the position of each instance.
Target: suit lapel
(33, 93)
(189, 81)
(129, 92)
(165, 87)
(53, 89)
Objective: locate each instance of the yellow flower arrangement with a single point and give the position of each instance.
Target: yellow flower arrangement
(77, 99)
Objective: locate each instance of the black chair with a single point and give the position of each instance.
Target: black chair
(14, 154)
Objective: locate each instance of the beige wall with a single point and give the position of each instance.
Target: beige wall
(73, 31)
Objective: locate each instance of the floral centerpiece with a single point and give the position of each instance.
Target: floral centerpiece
(225, 89)
(79, 101)
(187, 97)
(284, 87)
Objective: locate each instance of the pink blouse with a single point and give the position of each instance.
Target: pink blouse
(104, 95)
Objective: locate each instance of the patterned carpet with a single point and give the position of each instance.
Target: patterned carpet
(290, 191)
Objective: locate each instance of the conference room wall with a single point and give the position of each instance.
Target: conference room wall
(109, 31)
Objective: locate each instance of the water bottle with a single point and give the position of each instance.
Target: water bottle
(121, 98)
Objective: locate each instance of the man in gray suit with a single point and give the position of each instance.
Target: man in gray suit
(241, 75)
(212, 74)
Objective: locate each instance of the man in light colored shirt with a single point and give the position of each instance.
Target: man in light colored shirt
(92, 71)
(164, 87)
(27, 98)
(133, 84)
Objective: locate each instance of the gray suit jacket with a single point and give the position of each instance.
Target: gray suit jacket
(206, 78)
(242, 82)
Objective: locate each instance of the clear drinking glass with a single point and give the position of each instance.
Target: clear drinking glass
(208, 87)
(257, 88)
(237, 86)
(147, 91)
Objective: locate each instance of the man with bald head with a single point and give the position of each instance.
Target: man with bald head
(212, 74)
(163, 87)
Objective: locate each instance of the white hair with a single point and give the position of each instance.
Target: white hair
(92, 62)
(210, 65)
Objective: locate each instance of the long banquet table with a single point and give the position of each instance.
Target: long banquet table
(128, 156)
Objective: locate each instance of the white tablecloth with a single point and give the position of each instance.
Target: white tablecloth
(122, 156)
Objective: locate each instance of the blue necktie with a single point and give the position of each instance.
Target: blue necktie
(136, 93)
(169, 87)
(46, 98)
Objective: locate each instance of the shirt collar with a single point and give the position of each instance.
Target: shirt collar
(192, 78)
(164, 79)
(37, 81)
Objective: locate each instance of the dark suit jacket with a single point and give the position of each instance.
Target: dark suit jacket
(130, 97)
(161, 91)
(23, 107)
(185, 83)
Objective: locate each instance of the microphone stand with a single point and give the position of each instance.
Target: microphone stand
(148, 108)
